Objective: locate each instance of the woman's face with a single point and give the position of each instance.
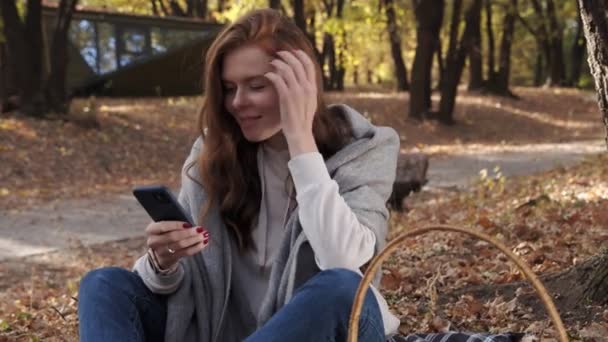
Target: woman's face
(249, 96)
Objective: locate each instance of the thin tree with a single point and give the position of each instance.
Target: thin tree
(490, 36)
(548, 33)
(4, 79)
(476, 59)
(299, 16)
(557, 65)
(577, 53)
(56, 87)
(331, 54)
(457, 58)
(194, 8)
(24, 53)
(395, 43)
(499, 84)
(276, 4)
(429, 16)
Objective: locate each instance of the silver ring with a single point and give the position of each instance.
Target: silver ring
(172, 251)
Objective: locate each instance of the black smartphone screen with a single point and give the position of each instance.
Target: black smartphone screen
(160, 203)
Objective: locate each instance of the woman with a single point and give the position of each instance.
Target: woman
(289, 200)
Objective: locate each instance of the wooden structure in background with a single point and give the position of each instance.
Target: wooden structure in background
(114, 54)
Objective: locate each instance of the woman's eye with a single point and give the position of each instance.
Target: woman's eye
(228, 90)
(258, 86)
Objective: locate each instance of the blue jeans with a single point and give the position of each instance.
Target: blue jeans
(115, 305)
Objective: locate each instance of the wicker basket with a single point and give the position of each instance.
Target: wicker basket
(377, 262)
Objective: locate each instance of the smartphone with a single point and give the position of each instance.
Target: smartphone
(160, 203)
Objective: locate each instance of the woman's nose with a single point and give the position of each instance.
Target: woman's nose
(240, 98)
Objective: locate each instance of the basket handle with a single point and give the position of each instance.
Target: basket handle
(353, 330)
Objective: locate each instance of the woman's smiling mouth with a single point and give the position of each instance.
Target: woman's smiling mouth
(249, 120)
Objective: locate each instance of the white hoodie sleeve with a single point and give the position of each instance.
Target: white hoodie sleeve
(335, 234)
(158, 283)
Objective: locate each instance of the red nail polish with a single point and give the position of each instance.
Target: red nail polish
(200, 230)
(206, 234)
(187, 225)
(206, 241)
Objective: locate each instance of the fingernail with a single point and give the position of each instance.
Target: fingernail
(206, 241)
(206, 234)
(187, 225)
(200, 229)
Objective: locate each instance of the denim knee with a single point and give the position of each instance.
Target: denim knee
(102, 279)
(339, 286)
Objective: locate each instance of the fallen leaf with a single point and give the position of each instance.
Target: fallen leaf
(594, 332)
(440, 325)
(485, 222)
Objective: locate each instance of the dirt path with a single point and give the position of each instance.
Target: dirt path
(66, 223)
(460, 170)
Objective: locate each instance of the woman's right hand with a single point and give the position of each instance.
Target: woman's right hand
(172, 240)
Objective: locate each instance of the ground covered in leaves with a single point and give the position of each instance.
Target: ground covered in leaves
(116, 143)
(553, 220)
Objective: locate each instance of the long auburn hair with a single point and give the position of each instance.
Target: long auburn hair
(228, 162)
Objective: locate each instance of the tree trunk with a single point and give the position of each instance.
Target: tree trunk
(276, 4)
(454, 68)
(334, 61)
(449, 75)
(580, 285)
(312, 36)
(202, 9)
(3, 80)
(596, 288)
(538, 69)
(475, 59)
(163, 8)
(329, 58)
(176, 9)
(341, 58)
(490, 34)
(197, 9)
(341, 66)
(596, 34)
(24, 52)
(542, 36)
(190, 8)
(573, 290)
(504, 60)
(429, 15)
(37, 95)
(577, 54)
(298, 15)
(154, 7)
(395, 42)
(56, 86)
(558, 68)
(454, 31)
(440, 65)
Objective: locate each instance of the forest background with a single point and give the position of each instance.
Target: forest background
(459, 77)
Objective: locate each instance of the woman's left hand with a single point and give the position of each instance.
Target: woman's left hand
(295, 81)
